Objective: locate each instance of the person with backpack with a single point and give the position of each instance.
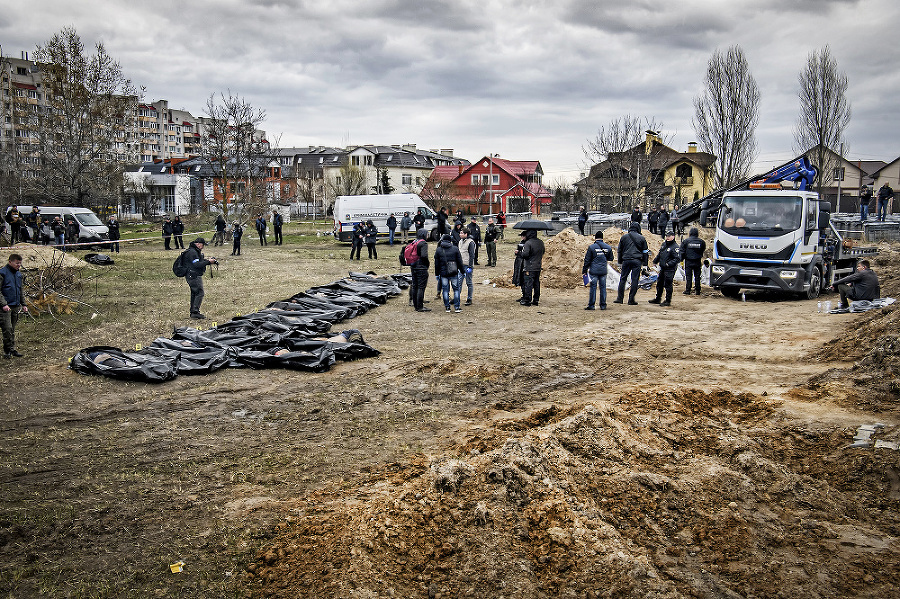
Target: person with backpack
(194, 263)
(417, 259)
(178, 232)
(237, 231)
(595, 260)
(633, 253)
(277, 223)
(448, 268)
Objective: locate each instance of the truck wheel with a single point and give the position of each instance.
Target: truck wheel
(815, 284)
(731, 292)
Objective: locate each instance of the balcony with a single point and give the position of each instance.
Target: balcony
(684, 181)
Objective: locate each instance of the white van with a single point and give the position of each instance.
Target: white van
(349, 210)
(90, 228)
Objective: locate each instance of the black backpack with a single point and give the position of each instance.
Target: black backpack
(180, 266)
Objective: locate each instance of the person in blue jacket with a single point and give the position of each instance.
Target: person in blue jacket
(595, 259)
(12, 301)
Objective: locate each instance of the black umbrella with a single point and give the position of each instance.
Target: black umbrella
(537, 225)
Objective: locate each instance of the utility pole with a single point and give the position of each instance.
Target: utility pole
(491, 192)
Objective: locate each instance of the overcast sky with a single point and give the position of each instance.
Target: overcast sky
(525, 80)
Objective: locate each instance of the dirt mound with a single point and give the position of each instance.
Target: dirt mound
(625, 500)
(36, 257)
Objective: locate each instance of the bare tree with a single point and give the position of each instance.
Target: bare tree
(140, 190)
(349, 180)
(623, 157)
(824, 111)
(232, 145)
(726, 114)
(89, 106)
(440, 191)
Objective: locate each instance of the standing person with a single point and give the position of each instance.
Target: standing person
(459, 218)
(15, 222)
(114, 235)
(33, 222)
(261, 226)
(668, 258)
(662, 222)
(221, 225)
(419, 270)
(405, 224)
(359, 237)
(419, 221)
(46, 232)
(865, 196)
(277, 223)
(582, 220)
(456, 233)
(178, 232)
(490, 242)
(467, 249)
(861, 285)
(636, 215)
(532, 258)
(442, 217)
(196, 265)
(692, 250)
(501, 222)
(12, 301)
(885, 195)
(518, 262)
(392, 227)
(237, 231)
(72, 230)
(448, 269)
(676, 222)
(167, 229)
(632, 254)
(653, 219)
(595, 260)
(475, 236)
(59, 231)
(371, 237)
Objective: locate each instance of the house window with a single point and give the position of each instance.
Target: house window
(354, 160)
(484, 179)
(684, 171)
(496, 179)
(21, 71)
(407, 179)
(368, 160)
(839, 173)
(475, 179)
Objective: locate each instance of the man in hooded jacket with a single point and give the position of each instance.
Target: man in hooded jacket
(633, 253)
(692, 250)
(532, 255)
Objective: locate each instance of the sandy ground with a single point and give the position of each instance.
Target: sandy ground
(697, 450)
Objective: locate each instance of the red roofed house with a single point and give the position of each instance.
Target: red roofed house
(489, 186)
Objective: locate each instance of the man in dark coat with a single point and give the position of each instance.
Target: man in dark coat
(532, 257)
(419, 220)
(358, 239)
(692, 250)
(475, 236)
(261, 226)
(114, 234)
(371, 238)
(392, 227)
(196, 265)
(490, 242)
(237, 231)
(653, 219)
(442, 217)
(595, 259)
(633, 253)
(582, 220)
(277, 223)
(861, 285)
(636, 215)
(668, 258)
(865, 196)
(419, 270)
(662, 222)
(885, 195)
(167, 230)
(72, 230)
(221, 225)
(12, 301)
(178, 232)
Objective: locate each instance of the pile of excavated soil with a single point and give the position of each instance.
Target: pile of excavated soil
(659, 494)
(37, 257)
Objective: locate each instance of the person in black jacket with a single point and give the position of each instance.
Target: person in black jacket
(114, 235)
(662, 222)
(356, 242)
(371, 237)
(532, 258)
(861, 285)
(595, 259)
(196, 265)
(653, 219)
(455, 235)
(72, 230)
(518, 262)
(419, 270)
(178, 232)
(442, 217)
(692, 250)
(633, 253)
(475, 236)
(865, 196)
(636, 215)
(261, 226)
(668, 258)
(885, 195)
(448, 263)
(582, 220)
(392, 227)
(419, 220)
(277, 223)
(221, 225)
(237, 231)
(490, 242)
(167, 229)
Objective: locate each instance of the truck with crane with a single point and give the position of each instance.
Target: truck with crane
(773, 233)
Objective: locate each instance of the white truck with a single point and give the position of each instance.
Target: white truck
(349, 210)
(778, 237)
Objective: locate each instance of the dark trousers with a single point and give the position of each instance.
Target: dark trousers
(477, 245)
(373, 253)
(630, 268)
(236, 247)
(419, 283)
(167, 241)
(356, 248)
(595, 282)
(113, 246)
(262, 237)
(197, 293)
(491, 252)
(847, 293)
(278, 237)
(179, 241)
(8, 322)
(531, 286)
(664, 283)
(692, 270)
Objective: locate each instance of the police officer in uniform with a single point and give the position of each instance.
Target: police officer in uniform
(668, 259)
(692, 249)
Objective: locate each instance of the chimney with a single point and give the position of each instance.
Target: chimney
(461, 168)
(692, 147)
(448, 152)
(409, 147)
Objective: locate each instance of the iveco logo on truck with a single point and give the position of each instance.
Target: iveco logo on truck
(754, 246)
